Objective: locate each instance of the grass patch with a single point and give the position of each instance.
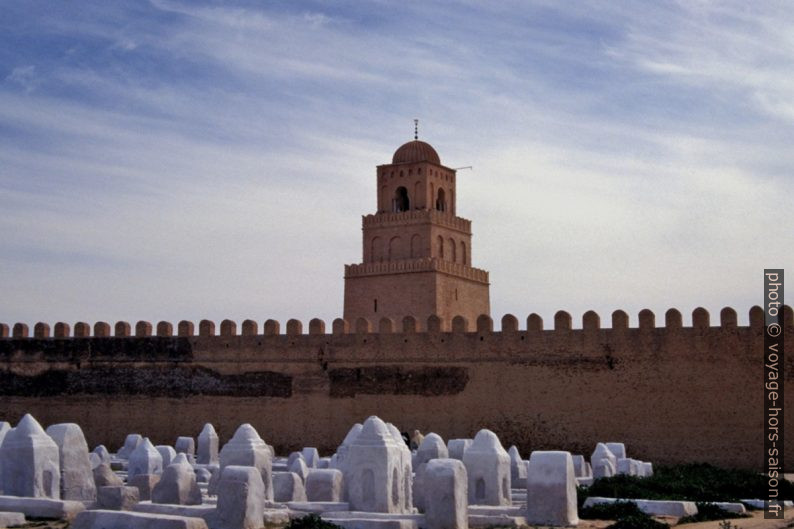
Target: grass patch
(700, 482)
(708, 512)
(610, 511)
(625, 513)
(310, 521)
(642, 521)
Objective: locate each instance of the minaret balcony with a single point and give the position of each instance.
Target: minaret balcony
(418, 216)
(422, 264)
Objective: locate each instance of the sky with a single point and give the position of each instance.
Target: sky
(171, 159)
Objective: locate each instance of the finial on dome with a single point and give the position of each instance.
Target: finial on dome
(416, 129)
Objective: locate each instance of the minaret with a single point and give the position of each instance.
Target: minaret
(417, 252)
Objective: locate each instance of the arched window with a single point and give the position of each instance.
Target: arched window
(416, 243)
(376, 249)
(396, 248)
(463, 256)
(440, 247)
(452, 250)
(441, 201)
(401, 202)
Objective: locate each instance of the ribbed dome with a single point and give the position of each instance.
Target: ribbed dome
(416, 151)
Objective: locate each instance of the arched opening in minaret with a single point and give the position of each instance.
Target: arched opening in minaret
(416, 243)
(441, 200)
(401, 202)
(440, 247)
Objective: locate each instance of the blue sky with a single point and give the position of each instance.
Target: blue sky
(185, 160)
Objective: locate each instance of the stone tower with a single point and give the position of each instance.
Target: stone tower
(417, 251)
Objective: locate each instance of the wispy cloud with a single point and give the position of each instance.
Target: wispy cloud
(24, 76)
(186, 159)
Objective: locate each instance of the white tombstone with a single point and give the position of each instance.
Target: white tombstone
(103, 453)
(407, 466)
(488, 470)
(117, 498)
(446, 494)
(187, 446)
(551, 489)
(602, 451)
(617, 449)
(518, 469)
(130, 443)
(458, 447)
(341, 451)
(105, 477)
(339, 459)
(145, 459)
(293, 456)
(324, 485)
(432, 447)
(30, 462)
(207, 446)
(628, 466)
(603, 468)
(4, 429)
(246, 448)
(580, 468)
(241, 498)
(77, 477)
(288, 486)
(311, 455)
(299, 467)
(167, 453)
(603, 461)
(178, 484)
(203, 475)
(95, 460)
(375, 470)
(647, 469)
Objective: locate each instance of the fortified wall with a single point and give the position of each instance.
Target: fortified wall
(672, 393)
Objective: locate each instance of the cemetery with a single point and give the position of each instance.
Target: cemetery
(373, 480)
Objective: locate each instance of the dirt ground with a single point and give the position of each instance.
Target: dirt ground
(756, 522)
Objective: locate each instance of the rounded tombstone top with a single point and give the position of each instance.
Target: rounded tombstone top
(28, 426)
(415, 151)
(299, 467)
(293, 457)
(395, 433)
(145, 446)
(486, 441)
(514, 454)
(352, 434)
(67, 432)
(602, 451)
(245, 432)
(180, 459)
(432, 447)
(432, 441)
(374, 431)
(208, 429)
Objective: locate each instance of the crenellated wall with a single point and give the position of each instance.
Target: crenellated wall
(672, 393)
